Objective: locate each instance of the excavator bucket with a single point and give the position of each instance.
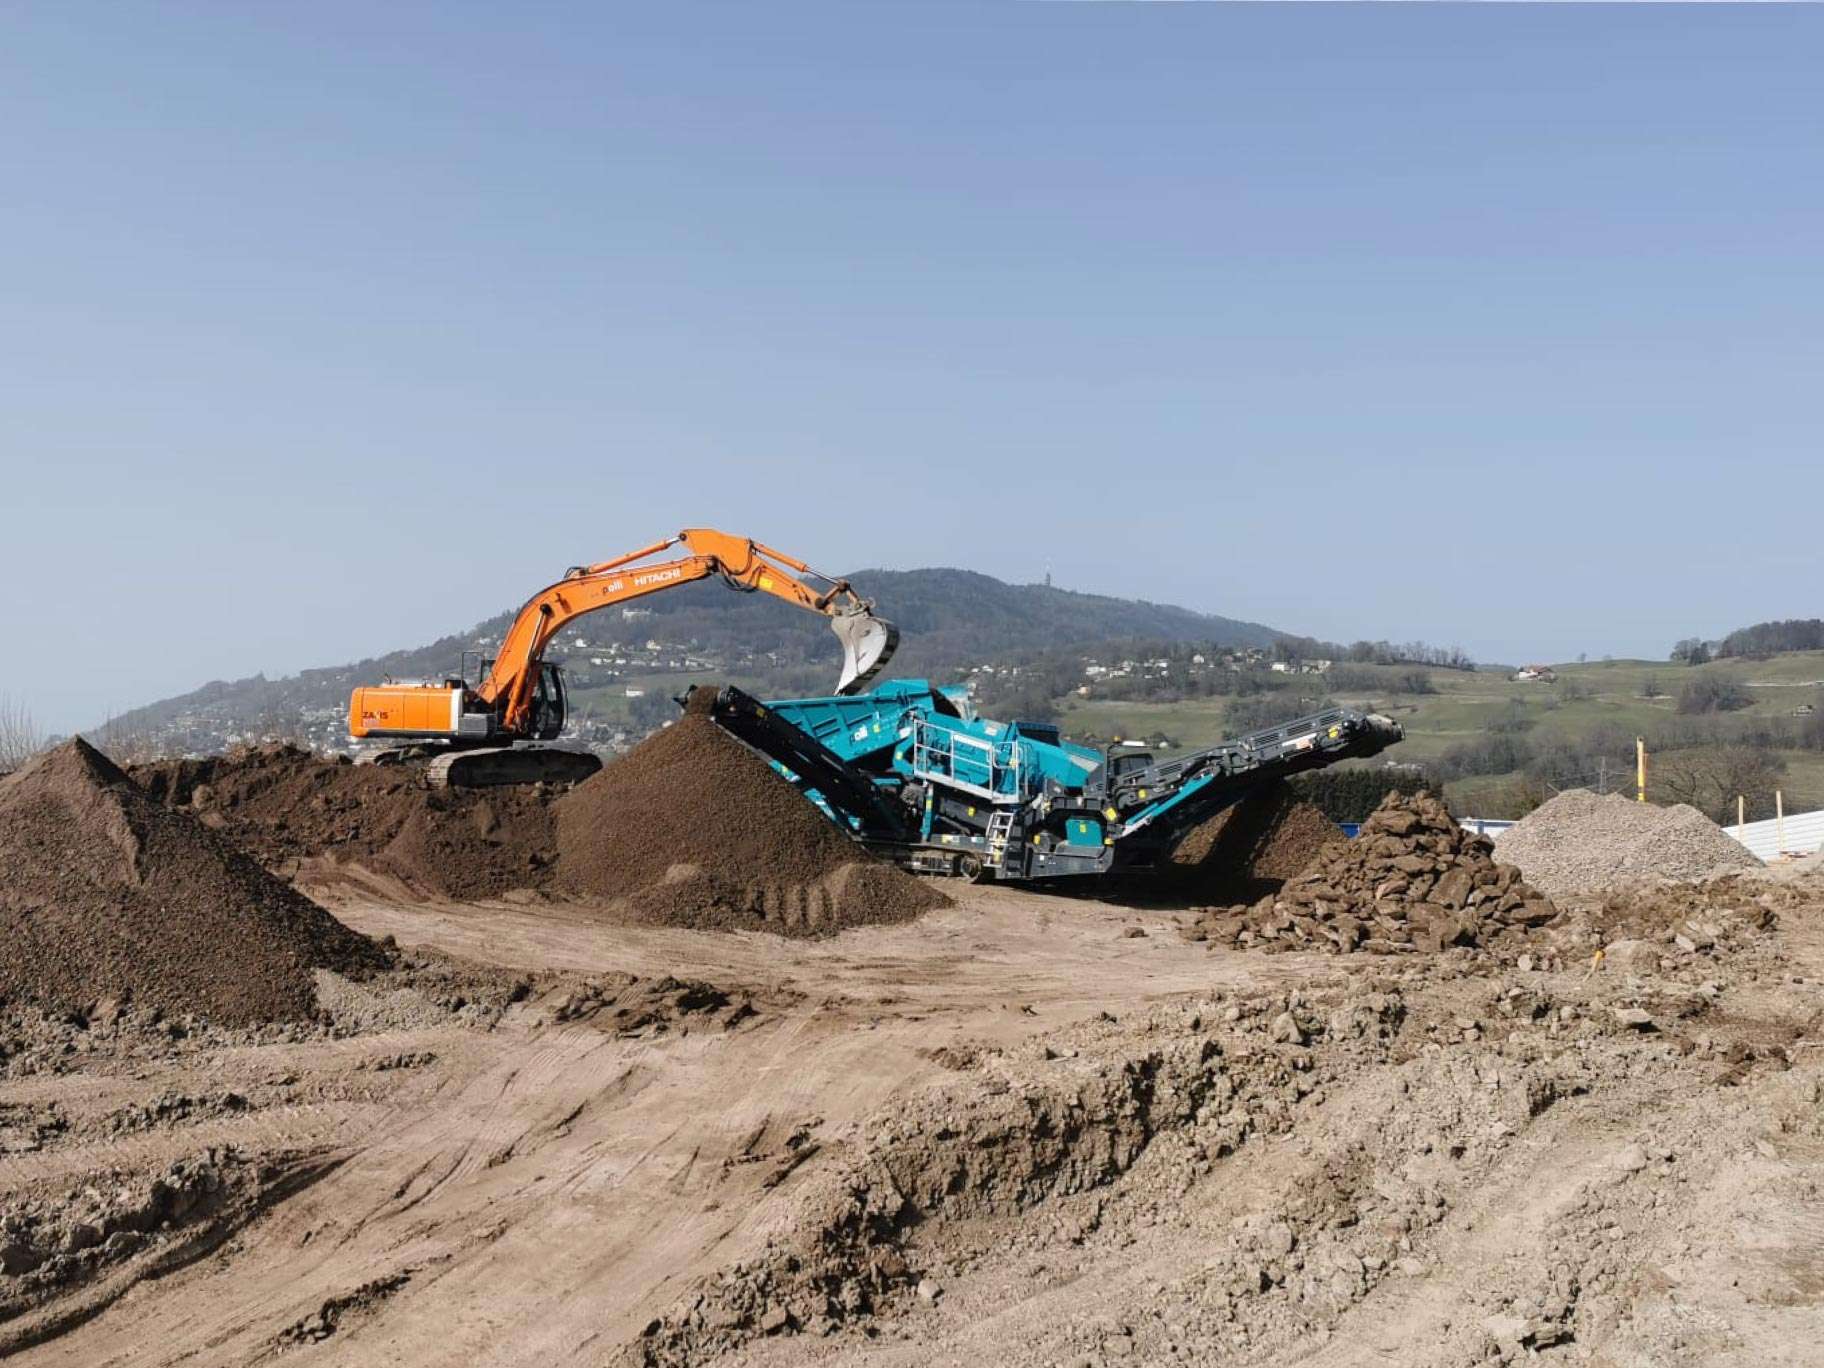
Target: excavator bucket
(868, 643)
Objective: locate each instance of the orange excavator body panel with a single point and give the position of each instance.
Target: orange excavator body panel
(404, 710)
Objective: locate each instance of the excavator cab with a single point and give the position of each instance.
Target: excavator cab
(549, 703)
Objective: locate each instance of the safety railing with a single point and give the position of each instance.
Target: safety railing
(966, 762)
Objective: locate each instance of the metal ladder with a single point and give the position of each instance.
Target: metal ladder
(1000, 831)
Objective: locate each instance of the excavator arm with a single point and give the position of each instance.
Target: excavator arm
(868, 641)
(503, 706)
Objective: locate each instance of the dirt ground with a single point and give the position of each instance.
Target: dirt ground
(1016, 1131)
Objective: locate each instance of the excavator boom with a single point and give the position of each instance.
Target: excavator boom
(522, 697)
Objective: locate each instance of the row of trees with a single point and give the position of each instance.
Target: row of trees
(1770, 638)
(1752, 643)
(1374, 653)
(1409, 653)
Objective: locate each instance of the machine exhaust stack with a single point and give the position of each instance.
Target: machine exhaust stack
(868, 643)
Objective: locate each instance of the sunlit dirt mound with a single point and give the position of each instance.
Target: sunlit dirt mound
(108, 895)
(692, 828)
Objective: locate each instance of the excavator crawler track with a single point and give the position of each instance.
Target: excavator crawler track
(498, 765)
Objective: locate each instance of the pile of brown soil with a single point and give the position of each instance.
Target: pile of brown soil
(1412, 880)
(106, 894)
(691, 828)
(283, 804)
(1249, 850)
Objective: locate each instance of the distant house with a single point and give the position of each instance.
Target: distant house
(1543, 674)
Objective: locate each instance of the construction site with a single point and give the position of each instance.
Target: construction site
(911, 685)
(864, 1029)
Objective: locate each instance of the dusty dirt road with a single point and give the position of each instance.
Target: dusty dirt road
(1011, 1132)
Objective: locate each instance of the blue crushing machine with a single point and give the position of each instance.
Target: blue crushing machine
(910, 771)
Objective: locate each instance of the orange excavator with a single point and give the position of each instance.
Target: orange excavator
(487, 734)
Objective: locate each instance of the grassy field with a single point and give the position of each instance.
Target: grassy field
(1586, 695)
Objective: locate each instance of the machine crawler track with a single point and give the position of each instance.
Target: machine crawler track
(487, 767)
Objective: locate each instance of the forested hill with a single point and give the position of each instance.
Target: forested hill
(948, 619)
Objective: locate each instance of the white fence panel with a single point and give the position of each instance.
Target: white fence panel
(1803, 832)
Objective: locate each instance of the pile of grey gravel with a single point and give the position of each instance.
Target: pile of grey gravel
(1581, 841)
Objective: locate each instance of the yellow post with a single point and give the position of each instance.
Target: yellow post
(1741, 816)
(1779, 824)
(1640, 769)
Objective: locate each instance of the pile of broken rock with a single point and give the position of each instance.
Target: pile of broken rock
(1413, 880)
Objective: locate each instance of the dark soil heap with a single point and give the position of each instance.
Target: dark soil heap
(283, 804)
(1249, 850)
(691, 828)
(1412, 880)
(105, 894)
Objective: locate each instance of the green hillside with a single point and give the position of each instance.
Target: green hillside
(1587, 721)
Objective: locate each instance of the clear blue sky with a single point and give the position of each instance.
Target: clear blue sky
(330, 328)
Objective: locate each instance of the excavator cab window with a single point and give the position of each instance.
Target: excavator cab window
(548, 703)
